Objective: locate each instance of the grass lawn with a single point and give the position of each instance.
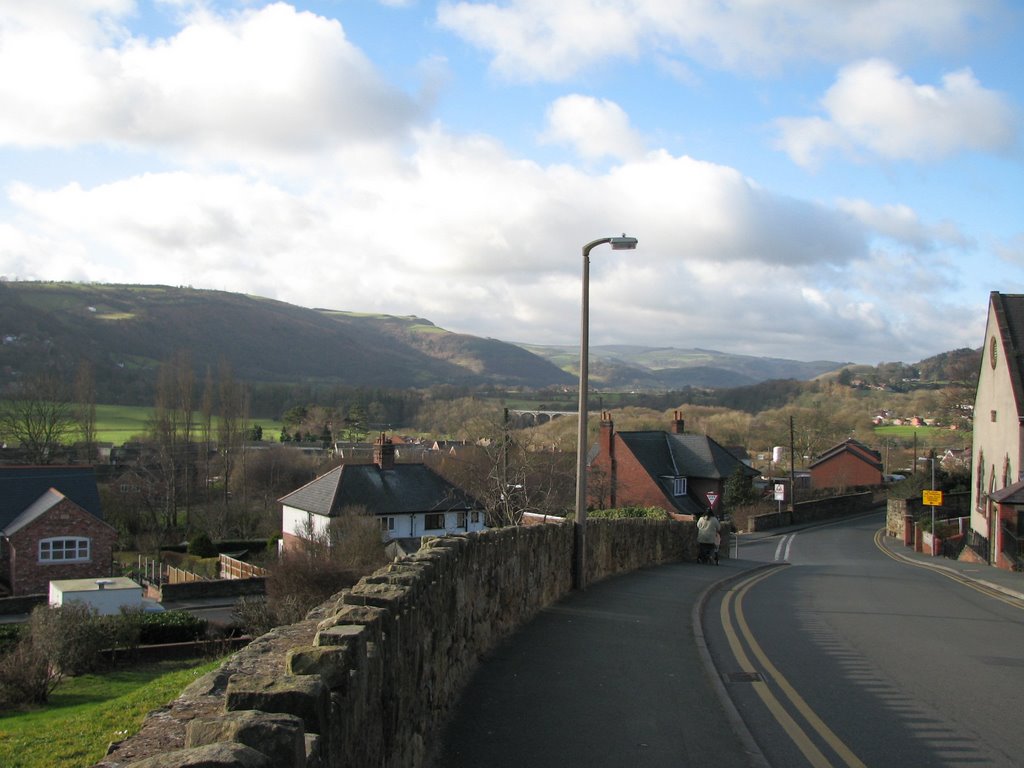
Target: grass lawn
(87, 713)
(119, 423)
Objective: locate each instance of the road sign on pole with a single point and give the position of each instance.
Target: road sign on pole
(712, 498)
(931, 498)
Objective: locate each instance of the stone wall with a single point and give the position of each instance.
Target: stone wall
(955, 504)
(814, 511)
(370, 676)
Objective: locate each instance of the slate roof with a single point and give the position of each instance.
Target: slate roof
(665, 454)
(1009, 312)
(1011, 494)
(21, 487)
(854, 448)
(404, 489)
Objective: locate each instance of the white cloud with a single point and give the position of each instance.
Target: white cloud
(540, 40)
(479, 241)
(596, 128)
(272, 80)
(902, 224)
(873, 108)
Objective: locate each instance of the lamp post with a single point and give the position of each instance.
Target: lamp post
(932, 460)
(623, 243)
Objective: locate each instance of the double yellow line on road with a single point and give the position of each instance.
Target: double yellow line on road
(977, 586)
(740, 638)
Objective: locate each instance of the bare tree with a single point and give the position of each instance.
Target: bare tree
(171, 429)
(39, 416)
(85, 407)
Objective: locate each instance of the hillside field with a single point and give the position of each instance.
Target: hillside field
(119, 423)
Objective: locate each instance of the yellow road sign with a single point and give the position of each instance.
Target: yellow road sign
(931, 498)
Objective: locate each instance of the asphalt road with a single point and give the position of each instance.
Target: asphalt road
(844, 655)
(606, 678)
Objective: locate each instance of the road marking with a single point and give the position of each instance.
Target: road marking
(798, 735)
(783, 547)
(949, 574)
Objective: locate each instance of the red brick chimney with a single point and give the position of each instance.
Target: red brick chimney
(606, 457)
(384, 452)
(607, 440)
(678, 425)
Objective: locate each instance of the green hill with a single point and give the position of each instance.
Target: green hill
(127, 331)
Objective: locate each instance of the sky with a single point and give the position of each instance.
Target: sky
(829, 180)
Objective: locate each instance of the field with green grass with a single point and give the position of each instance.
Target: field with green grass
(119, 423)
(87, 713)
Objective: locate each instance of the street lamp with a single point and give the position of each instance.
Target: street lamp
(618, 244)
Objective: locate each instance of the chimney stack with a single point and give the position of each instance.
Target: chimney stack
(678, 425)
(384, 452)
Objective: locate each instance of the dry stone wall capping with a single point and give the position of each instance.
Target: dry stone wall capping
(370, 676)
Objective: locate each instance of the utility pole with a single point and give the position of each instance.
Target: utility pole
(792, 468)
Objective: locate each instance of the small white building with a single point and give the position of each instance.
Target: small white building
(409, 501)
(106, 595)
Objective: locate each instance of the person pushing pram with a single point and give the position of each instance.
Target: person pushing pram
(708, 538)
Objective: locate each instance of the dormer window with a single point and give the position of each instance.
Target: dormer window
(678, 486)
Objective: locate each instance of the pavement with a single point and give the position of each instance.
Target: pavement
(619, 675)
(1009, 583)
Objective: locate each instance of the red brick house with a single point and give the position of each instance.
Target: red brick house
(51, 527)
(674, 470)
(848, 464)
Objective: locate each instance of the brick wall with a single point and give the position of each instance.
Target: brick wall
(370, 676)
(66, 519)
(632, 487)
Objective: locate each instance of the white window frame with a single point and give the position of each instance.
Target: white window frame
(79, 547)
(440, 515)
(387, 524)
(678, 486)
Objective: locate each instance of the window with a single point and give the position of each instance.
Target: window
(460, 520)
(433, 522)
(474, 516)
(387, 523)
(992, 414)
(679, 486)
(69, 550)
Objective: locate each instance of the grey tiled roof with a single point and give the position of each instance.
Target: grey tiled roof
(20, 487)
(668, 454)
(405, 489)
(1009, 312)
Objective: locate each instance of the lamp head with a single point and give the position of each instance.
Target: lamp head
(623, 243)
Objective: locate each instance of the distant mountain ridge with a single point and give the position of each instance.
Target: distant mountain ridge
(128, 331)
(622, 367)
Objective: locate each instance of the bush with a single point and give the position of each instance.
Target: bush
(10, 634)
(201, 545)
(70, 636)
(254, 616)
(26, 676)
(171, 627)
(621, 513)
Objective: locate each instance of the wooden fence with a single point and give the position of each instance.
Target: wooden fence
(230, 568)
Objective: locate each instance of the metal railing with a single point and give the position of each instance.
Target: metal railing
(1012, 547)
(978, 543)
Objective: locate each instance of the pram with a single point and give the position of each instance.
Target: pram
(708, 553)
